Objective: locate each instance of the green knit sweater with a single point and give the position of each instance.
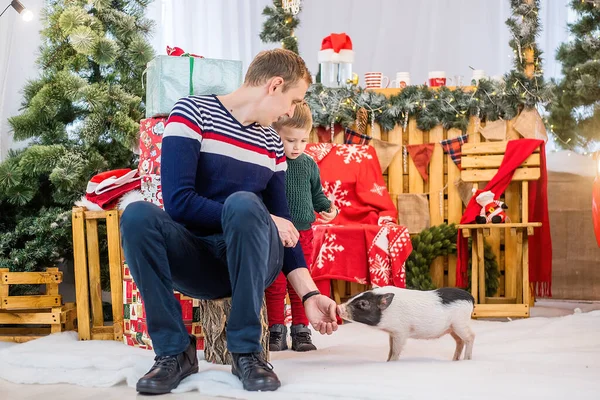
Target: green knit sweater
(304, 191)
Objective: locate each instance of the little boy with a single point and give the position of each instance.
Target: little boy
(304, 196)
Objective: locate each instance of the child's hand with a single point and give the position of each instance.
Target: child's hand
(329, 215)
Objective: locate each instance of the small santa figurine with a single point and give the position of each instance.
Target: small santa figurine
(491, 210)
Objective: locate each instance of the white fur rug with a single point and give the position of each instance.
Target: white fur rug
(537, 358)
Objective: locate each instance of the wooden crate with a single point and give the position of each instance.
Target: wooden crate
(443, 173)
(88, 291)
(45, 312)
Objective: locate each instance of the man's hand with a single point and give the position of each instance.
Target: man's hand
(329, 215)
(320, 311)
(287, 231)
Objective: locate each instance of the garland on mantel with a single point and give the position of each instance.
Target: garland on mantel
(523, 86)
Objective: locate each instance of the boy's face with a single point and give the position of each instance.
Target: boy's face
(278, 103)
(294, 141)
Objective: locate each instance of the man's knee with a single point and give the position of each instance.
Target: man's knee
(137, 217)
(242, 206)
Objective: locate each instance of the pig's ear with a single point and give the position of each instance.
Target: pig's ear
(385, 300)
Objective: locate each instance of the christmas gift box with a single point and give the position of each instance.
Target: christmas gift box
(170, 78)
(151, 131)
(135, 329)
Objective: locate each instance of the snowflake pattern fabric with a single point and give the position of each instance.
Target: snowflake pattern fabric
(357, 246)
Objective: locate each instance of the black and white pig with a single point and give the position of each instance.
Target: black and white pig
(405, 313)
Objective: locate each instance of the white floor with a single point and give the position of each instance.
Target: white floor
(354, 356)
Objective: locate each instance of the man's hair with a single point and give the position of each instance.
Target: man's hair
(277, 62)
(302, 119)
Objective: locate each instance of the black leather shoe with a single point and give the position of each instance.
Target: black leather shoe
(301, 340)
(278, 337)
(255, 373)
(168, 371)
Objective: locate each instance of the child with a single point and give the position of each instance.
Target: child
(304, 196)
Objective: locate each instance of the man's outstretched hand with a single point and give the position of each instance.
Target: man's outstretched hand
(321, 313)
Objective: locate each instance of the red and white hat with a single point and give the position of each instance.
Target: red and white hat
(336, 48)
(110, 180)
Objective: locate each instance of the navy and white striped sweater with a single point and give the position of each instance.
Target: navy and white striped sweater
(208, 155)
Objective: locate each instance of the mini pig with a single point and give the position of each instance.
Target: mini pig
(416, 314)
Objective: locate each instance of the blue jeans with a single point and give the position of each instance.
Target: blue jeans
(241, 262)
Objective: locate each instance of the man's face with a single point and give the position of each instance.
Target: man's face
(278, 103)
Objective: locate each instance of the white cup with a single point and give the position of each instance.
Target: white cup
(402, 80)
(477, 75)
(374, 80)
(437, 78)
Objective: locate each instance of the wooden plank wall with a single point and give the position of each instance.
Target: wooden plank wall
(443, 174)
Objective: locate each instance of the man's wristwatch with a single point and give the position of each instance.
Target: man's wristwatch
(309, 295)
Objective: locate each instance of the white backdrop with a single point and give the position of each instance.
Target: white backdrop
(388, 36)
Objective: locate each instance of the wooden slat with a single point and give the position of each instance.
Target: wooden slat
(486, 148)
(494, 161)
(97, 214)
(56, 326)
(525, 201)
(21, 302)
(520, 266)
(500, 310)
(455, 205)
(116, 280)
(525, 272)
(473, 130)
(81, 275)
(52, 288)
(511, 225)
(375, 131)
(29, 318)
(19, 338)
(481, 266)
(103, 336)
(103, 329)
(415, 180)
(3, 288)
(512, 198)
(474, 270)
(395, 172)
(31, 278)
(93, 250)
(486, 175)
(436, 184)
(500, 300)
(23, 330)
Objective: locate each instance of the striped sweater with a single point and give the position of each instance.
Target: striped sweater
(208, 155)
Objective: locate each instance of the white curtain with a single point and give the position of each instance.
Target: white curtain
(387, 35)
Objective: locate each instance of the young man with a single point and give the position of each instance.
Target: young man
(226, 230)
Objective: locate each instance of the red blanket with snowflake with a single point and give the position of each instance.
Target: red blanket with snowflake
(363, 244)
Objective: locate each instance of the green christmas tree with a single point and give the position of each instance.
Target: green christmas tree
(279, 27)
(575, 115)
(81, 117)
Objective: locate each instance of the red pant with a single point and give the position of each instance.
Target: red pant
(275, 294)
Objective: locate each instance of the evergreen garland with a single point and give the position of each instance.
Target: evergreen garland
(279, 27)
(489, 101)
(80, 117)
(575, 116)
(438, 241)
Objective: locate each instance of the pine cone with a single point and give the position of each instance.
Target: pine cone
(361, 120)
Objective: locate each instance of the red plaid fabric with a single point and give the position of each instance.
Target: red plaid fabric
(454, 148)
(351, 137)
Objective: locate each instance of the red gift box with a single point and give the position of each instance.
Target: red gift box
(135, 330)
(151, 133)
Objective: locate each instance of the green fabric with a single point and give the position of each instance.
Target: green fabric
(304, 191)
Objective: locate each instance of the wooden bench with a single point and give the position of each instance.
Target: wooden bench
(45, 312)
(480, 162)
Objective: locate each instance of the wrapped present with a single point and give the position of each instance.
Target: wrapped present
(135, 330)
(170, 78)
(151, 131)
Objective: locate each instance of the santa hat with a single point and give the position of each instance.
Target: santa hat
(336, 48)
(106, 188)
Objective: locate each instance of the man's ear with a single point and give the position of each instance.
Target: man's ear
(385, 300)
(274, 83)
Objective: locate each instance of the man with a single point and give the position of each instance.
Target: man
(226, 230)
